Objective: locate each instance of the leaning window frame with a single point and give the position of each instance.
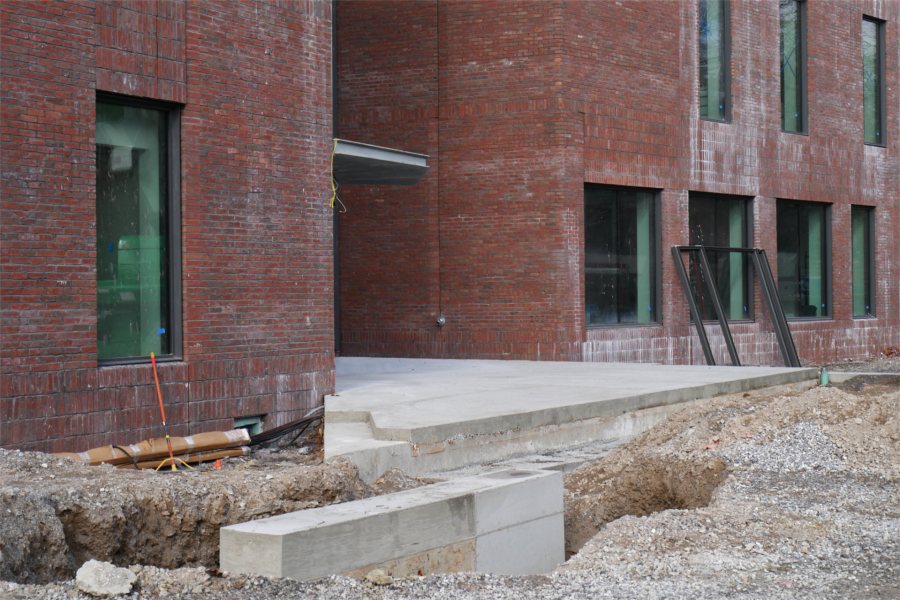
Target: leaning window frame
(656, 281)
(726, 62)
(882, 87)
(173, 222)
(802, 72)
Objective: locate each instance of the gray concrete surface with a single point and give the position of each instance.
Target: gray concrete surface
(842, 376)
(427, 415)
(505, 522)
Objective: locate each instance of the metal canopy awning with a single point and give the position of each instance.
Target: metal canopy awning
(364, 163)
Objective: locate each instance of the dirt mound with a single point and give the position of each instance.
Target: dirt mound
(680, 463)
(637, 486)
(57, 514)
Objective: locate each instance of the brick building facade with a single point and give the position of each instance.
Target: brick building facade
(527, 110)
(251, 83)
(525, 107)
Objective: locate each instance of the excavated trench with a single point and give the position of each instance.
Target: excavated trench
(635, 484)
(172, 520)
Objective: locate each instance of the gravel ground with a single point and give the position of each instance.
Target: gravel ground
(761, 495)
(888, 362)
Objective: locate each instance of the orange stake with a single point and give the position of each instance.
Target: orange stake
(162, 411)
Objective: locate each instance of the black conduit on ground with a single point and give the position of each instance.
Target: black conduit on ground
(297, 427)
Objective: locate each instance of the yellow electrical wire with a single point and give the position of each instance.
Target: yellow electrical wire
(333, 187)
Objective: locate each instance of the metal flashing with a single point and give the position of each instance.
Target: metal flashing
(355, 162)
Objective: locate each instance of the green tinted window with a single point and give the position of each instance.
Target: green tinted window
(721, 221)
(619, 255)
(803, 264)
(133, 312)
(873, 80)
(862, 263)
(793, 75)
(713, 60)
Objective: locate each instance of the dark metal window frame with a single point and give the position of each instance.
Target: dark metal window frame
(826, 252)
(882, 87)
(726, 60)
(748, 243)
(802, 75)
(760, 263)
(870, 258)
(173, 192)
(656, 280)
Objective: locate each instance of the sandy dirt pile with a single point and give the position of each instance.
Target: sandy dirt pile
(807, 501)
(681, 462)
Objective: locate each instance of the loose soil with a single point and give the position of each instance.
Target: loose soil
(57, 514)
(680, 463)
(779, 493)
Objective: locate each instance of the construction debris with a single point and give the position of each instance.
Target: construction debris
(150, 454)
(163, 453)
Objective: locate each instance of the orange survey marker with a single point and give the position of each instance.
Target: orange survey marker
(162, 411)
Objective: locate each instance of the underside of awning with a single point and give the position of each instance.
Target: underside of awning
(364, 163)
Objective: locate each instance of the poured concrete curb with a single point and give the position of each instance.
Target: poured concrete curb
(506, 522)
(373, 457)
(844, 376)
(524, 417)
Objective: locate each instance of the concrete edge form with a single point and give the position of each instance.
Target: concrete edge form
(565, 413)
(373, 457)
(843, 376)
(508, 522)
(451, 446)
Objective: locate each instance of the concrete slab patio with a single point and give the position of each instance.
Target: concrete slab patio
(430, 415)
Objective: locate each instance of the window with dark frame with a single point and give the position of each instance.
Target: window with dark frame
(724, 222)
(793, 65)
(803, 258)
(862, 260)
(620, 255)
(138, 250)
(873, 81)
(714, 60)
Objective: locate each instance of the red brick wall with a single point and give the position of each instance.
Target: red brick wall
(482, 238)
(642, 129)
(520, 104)
(254, 79)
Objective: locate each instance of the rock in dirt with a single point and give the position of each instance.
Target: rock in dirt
(395, 480)
(379, 577)
(103, 579)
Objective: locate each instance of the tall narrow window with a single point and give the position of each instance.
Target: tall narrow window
(721, 222)
(136, 227)
(803, 263)
(862, 265)
(793, 66)
(619, 255)
(873, 80)
(714, 59)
